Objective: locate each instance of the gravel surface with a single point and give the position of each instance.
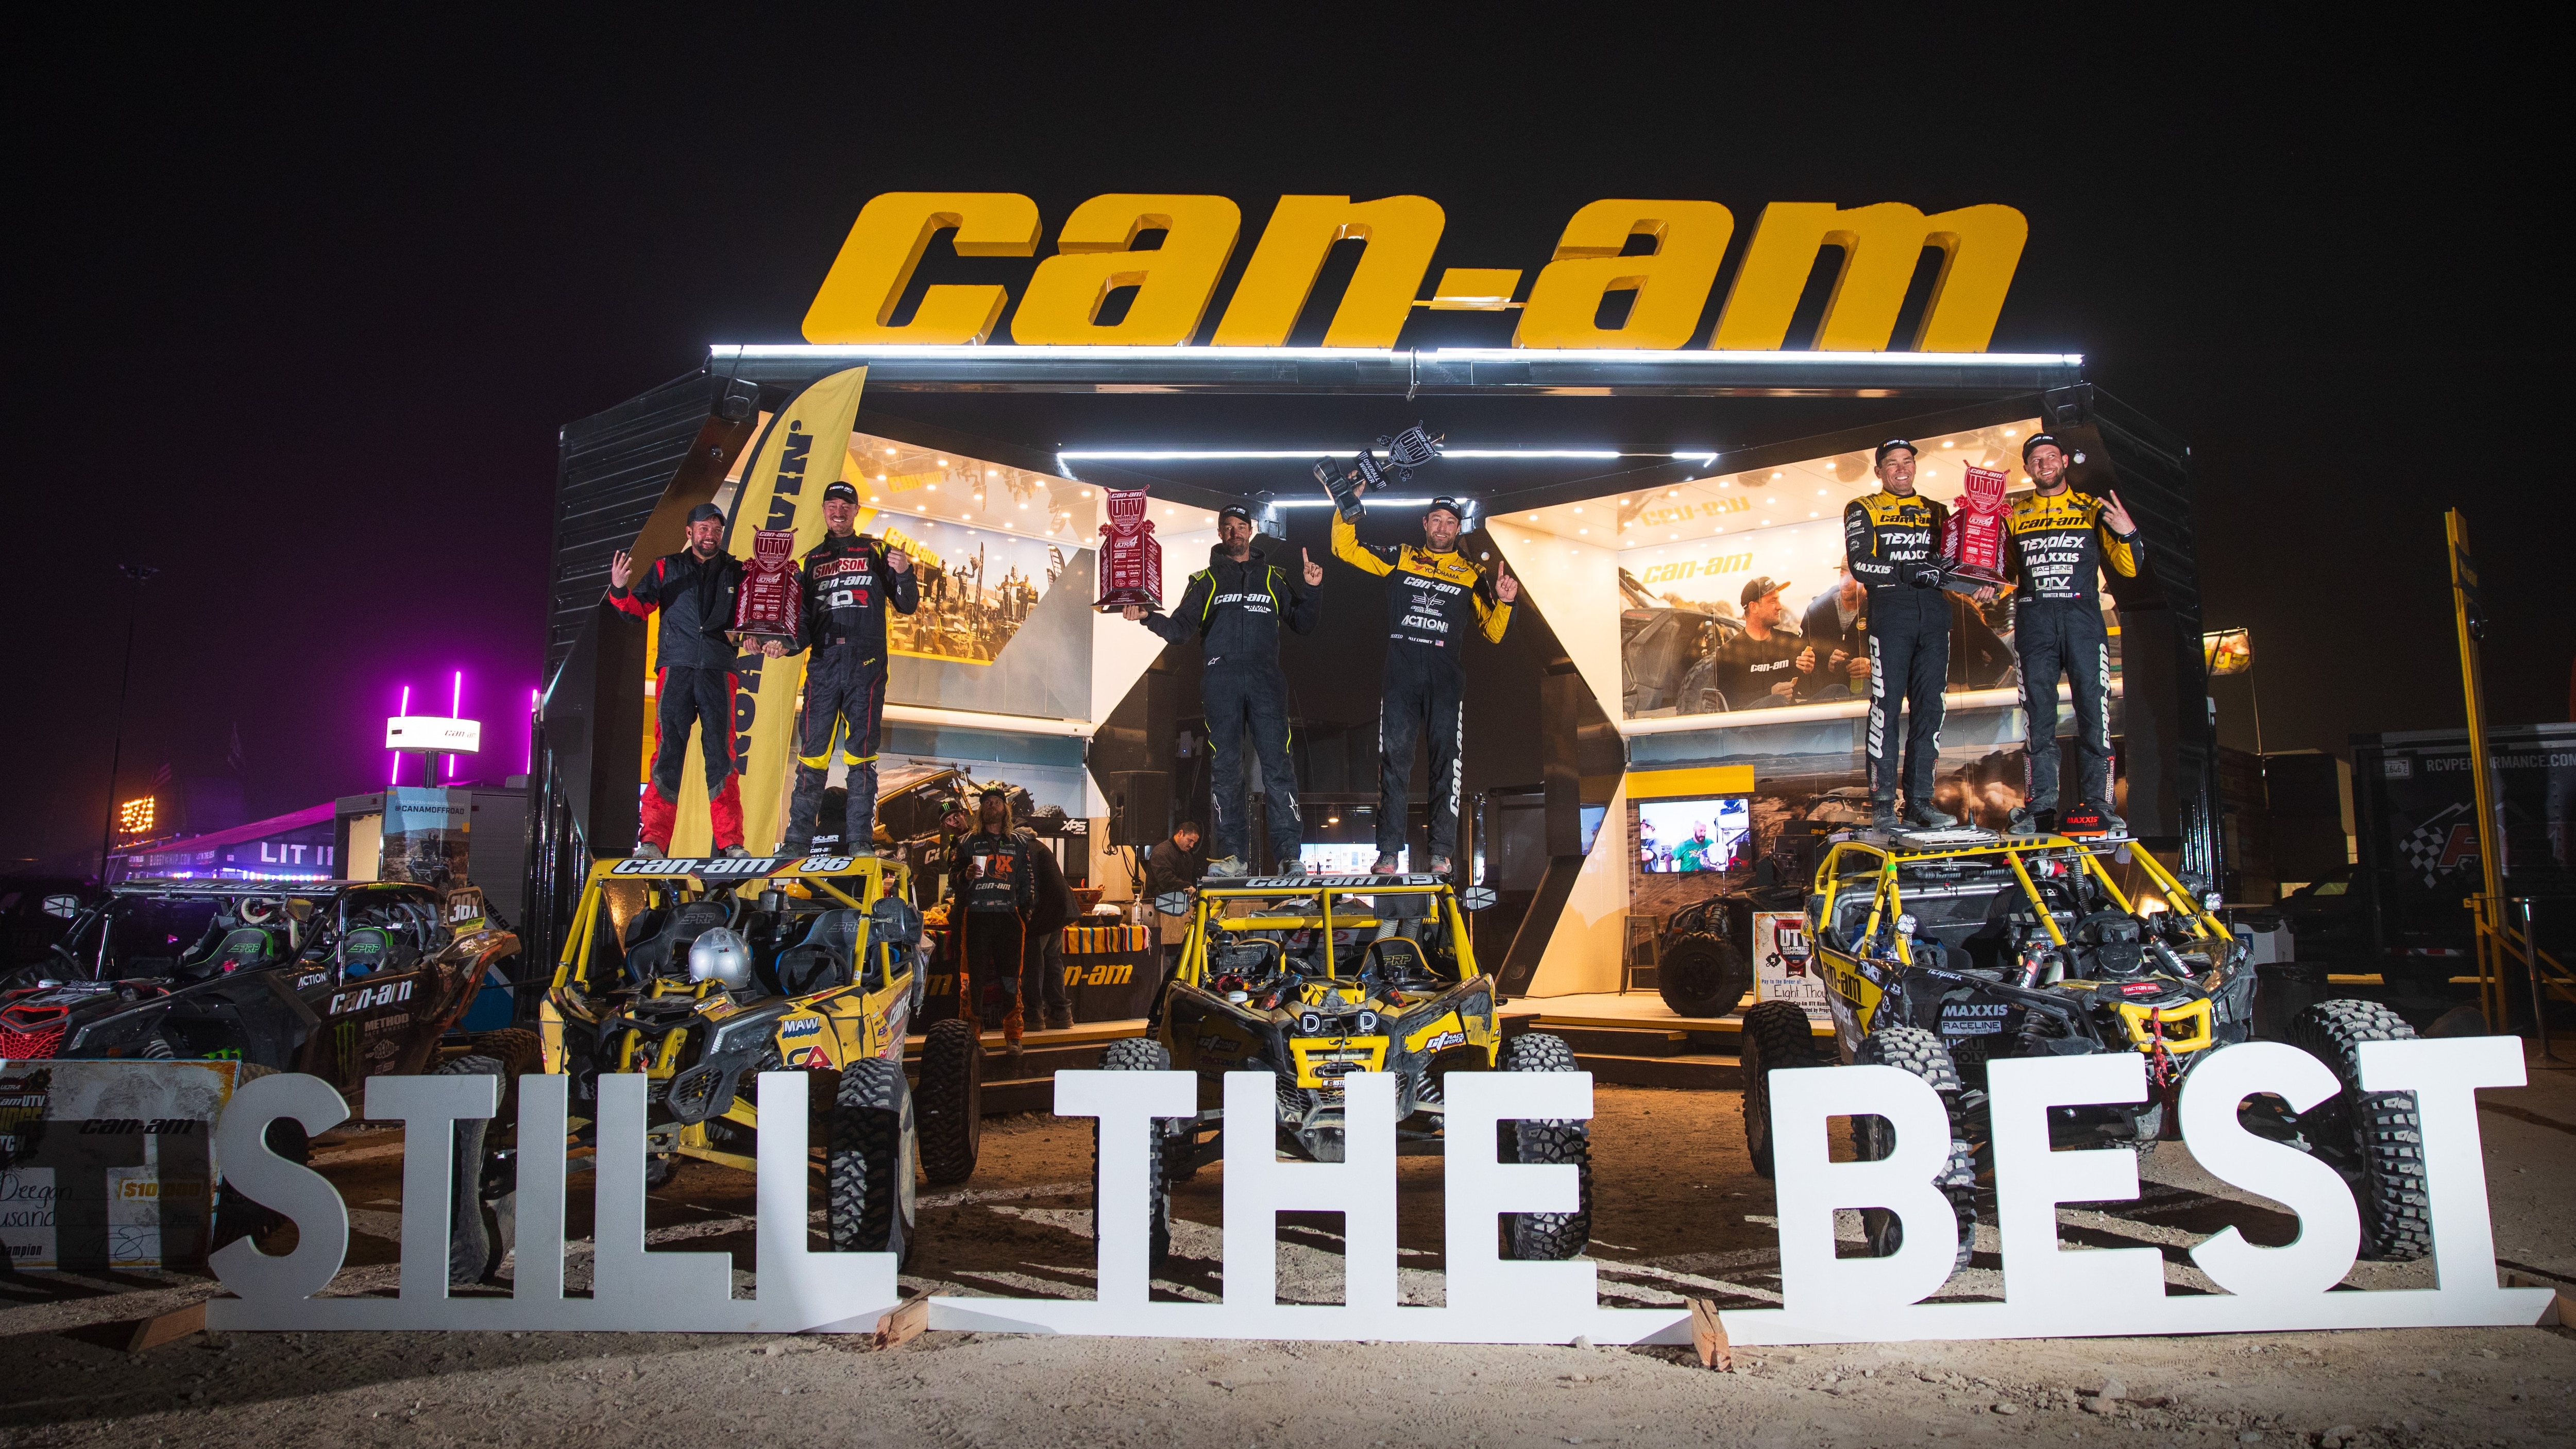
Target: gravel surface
(1678, 1210)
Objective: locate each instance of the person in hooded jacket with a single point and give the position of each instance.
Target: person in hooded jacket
(1233, 608)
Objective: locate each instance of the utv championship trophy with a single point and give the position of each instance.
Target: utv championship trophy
(770, 605)
(1405, 452)
(1972, 541)
(1131, 558)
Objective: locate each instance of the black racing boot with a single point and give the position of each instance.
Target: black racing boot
(2031, 820)
(1924, 815)
(1882, 813)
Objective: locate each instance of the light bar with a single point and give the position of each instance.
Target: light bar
(1678, 358)
(1227, 455)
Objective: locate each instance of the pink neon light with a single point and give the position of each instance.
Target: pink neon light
(530, 767)
(456, 710)
(401, 709)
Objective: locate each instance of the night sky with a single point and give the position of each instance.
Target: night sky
(298, 310)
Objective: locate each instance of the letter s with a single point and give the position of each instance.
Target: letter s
(247, 1166)
(2329, 1224)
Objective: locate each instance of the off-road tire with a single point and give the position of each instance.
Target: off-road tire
(1702, 974)
(950, 1103)
(2374, 1139)
(868, 1167)
(1912, 1049)
(1775, 1038)
(521, 1053)
(476, 1239)
(1143, 1054)
(1546, 1237)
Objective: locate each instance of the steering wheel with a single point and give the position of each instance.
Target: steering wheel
(257, 912)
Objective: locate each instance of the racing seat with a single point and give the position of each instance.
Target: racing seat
(821, 960)
(1401, 960)
(244, 948)
(894, 935)
(667, 949)
(371, 950)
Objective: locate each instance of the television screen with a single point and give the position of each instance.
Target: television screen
(1679, 837)
(1346, 859)
(1592, 816)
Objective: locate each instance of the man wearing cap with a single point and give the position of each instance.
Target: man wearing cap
(1891, 539)
(1233, 607)
(850, 580)
(2056, 541)
(1764, 666)
(1006, 894)
(1435, 597)
(693, 679)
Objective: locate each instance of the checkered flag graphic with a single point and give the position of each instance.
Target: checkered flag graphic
(2423, 847)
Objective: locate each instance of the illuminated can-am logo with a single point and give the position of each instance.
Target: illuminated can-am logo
(752, 865)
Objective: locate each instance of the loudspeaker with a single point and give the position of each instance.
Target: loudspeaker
(1140, 808)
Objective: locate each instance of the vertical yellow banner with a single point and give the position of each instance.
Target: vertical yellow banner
(783, 488)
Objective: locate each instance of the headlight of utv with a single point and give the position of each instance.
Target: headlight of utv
(742, 1033)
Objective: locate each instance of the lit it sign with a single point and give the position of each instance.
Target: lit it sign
(134, 817)
(1671, 278)
(434, 733)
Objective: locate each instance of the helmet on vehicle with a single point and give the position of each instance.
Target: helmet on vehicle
(721, 956)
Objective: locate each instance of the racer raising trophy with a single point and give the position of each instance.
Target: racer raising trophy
(1435, 598)
(850, 580)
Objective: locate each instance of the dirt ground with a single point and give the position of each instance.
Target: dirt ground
(1677, 1210)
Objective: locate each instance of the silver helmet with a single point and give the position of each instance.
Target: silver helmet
(721, 956)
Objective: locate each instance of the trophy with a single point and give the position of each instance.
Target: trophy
(1405, 452)
(771, 603)
(1972, 541)
(1131, 558)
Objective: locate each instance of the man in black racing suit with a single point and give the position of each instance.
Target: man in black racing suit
(693, 675)
(1233, 606)
(1435, 597)
(849, 580)
(1891, 541)
(2056, 542)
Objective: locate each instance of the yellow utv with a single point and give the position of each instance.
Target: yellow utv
(1311, 978)
(1939, 956)
(702, 973)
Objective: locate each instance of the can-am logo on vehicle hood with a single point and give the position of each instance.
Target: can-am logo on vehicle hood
(749, 865)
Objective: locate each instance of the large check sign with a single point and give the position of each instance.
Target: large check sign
(2048, 1292)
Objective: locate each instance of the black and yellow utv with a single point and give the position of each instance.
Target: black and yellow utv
(1939, 958)
(701, 974)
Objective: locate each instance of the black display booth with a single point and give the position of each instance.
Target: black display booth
(1530, 432)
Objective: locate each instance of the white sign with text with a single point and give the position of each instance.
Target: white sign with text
(2048, 1291)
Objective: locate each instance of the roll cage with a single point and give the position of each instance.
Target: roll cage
(1324, 925)
(1890, 875)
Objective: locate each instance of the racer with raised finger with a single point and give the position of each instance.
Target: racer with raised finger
(2056, 542)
